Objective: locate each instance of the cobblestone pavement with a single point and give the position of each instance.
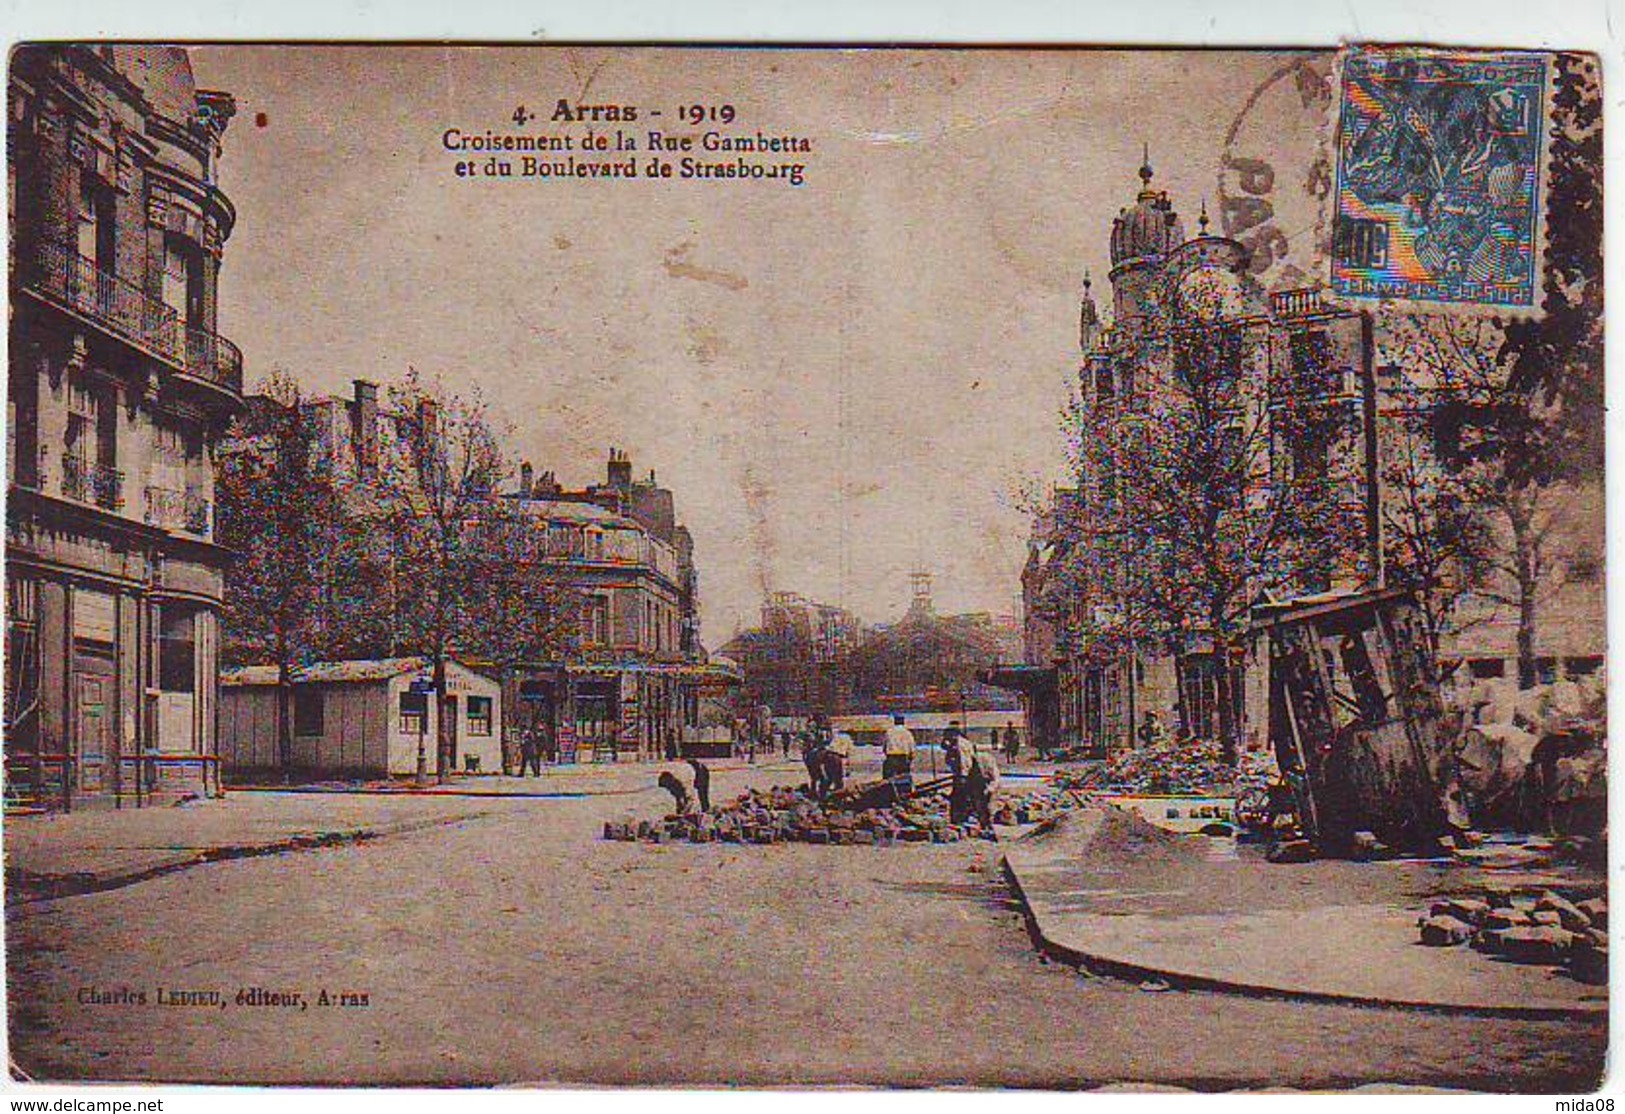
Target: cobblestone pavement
(518, 947)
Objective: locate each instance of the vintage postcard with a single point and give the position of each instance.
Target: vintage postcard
(824, 566)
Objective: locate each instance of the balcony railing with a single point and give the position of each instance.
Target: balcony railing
(1296, 303)
(178, 510)
(58, 272)
(87, 482)
(197, 515)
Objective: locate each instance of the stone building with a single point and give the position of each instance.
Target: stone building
(1300, 383)
(119, 388)
(1334, 412)
(632, 686)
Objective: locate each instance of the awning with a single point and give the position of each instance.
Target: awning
(1017, 677)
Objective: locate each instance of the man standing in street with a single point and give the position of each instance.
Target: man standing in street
(812, 756)
(530, 752)
(1012, 743)
(899, 760)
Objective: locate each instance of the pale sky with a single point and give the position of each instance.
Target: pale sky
(842, 382)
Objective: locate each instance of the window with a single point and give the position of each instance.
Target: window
(308, 711)
(95, 233)
(1104, 387)
(598, 621)
(1582, 667)
(1312, 364)
(414, 712)
(1485, 669)
(1584, 570)
(177, 651)
(479, 715)
(183, 280)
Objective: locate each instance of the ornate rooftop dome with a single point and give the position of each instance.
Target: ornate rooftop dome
(1150, 227)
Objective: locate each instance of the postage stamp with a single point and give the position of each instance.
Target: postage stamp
(1440, 179)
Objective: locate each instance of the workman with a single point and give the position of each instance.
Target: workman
(838, 761)
(682, 802)
(899, 760)
(702, 783)
(958, 756)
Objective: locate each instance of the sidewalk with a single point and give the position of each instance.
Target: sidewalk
(1111, 891)
(57, 854)
(606, 779)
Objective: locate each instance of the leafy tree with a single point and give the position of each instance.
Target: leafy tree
(468, 571)
(280, 515)
(1194, 507)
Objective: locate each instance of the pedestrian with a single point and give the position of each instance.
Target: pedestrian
(1151, 733)
(784, 741)
(899, 759)
(530, 753)
(682, 802)
(1012, 742)
(702, 783)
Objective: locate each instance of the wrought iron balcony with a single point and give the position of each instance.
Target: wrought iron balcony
(58, 273)
(178, 510)
(87, 482)
(197, 515)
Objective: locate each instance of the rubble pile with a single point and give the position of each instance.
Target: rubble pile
(1038, 806)
(1547, 929)
(1192, 766)
(788, 815)
(1533, 758)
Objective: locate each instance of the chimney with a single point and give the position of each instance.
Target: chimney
(525, 476)
(620, 470)
(364, 415)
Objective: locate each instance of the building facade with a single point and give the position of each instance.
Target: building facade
(632, 686)
(1281, 386)
(119, 388)
(1313, 402)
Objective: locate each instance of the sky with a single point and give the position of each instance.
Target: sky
(842, 382)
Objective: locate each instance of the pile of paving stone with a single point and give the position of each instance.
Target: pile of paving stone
(786, 815)
(1039, 806)
(1192, 766)
(1547, 929)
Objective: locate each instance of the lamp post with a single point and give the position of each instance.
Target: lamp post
(423, 686)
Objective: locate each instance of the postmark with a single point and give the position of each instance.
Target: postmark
(1439, 183)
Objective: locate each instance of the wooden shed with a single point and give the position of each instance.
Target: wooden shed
(357, 719)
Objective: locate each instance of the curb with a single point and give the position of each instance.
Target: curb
(26, 888)
(1183, 980)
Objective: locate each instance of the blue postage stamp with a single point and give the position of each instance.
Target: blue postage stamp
(1440, 183)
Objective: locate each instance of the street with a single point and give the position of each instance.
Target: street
(517, 947)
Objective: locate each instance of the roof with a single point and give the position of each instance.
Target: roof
(331, 672)
(564, 510)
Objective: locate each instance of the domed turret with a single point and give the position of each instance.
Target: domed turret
(1150, 227)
